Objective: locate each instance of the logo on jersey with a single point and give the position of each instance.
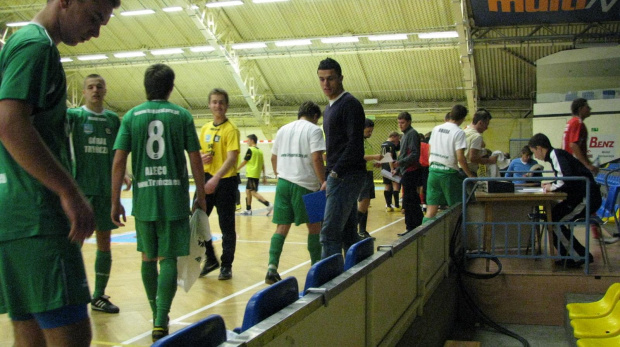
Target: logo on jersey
(88, 129)
(108, 131)
(217, 138)
(208, 138)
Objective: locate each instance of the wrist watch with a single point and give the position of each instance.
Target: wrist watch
(333, 174)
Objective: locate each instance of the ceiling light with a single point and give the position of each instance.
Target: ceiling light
(137, 13)
(293, 43)
(249, 45)
(129, 54)
(438, 35)
(387, 37)
(194, 7)
(167, 51)
(265, 1)
(172, 9)
(199, 49)
(65, 60)
(224, 3)
(17, 24)
(341, 39)
(93, 57)
(371, 101)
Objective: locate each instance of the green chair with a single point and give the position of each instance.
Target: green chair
(596, 309)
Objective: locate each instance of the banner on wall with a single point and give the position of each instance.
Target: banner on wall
(602, 146)
(518, 12)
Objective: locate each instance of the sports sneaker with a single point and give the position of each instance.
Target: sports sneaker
(389, 209)
(365, 235)
(225, 274)
(246, 213)
(397, 209)
(209, 266)
(238, 208)
(103, 304)
(158, 333)
(269, 210)
(610, 240)
(272, 277)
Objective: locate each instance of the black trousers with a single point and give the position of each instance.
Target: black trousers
(223, 199)
(411, 200)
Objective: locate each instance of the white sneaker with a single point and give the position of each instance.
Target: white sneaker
(610, 240)
(269, 210)
(246, 213)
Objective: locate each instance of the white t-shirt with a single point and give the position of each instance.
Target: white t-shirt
(445, 140)
(295, 143)
(474, 140)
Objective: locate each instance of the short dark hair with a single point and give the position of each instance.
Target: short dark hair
(540, 140)
(481, 115)
(577, 104)
(458, 112)
(526, 150)
(93, 75)
(219, 91)
(158, 81)
(405, 115)
(308, 109)
(330, 64)
(253, 138)
(368, 123)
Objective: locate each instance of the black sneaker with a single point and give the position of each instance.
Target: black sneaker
(272, 277)
(225, 274)
(158, 333)
(103, 304)
(365, 235)
(209, 266)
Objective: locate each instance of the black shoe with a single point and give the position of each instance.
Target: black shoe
(225, 274)
(570, 263)
(365, 235)
(158, 333)
(103, 304)
(272, 277)
(404, 232)
(209, 266)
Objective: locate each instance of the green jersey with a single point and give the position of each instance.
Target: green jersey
(93, 135)
(158, 133)
(253, 168)
(30, 70)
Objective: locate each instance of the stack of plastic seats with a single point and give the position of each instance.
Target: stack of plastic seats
(597, 323)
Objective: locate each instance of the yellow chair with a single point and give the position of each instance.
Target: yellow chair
(607, 326)
(603, 342)
(596, 309)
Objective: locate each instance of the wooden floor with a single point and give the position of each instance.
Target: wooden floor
(132, 326)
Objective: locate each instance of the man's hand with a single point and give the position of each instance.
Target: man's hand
(80, 214)
(211, 185)
(593, 169)
(116, 212)
(207, 158)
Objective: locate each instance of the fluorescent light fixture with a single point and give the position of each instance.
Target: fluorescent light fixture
(194, 7)
(249, 45)
(17, 24)
(167, 51)
(224, 3)
(172, 9)
(438, 35)
(137, 13)
(293, 43)
(65, 60)
(199, 49)
(342, 39)
(93, 57)
(129, 54)
(389, 37)
(265, 1)
(371, 101)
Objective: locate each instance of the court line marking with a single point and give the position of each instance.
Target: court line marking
(233, 295)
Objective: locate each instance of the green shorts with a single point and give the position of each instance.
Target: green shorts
(289, 206)
(444, 187)
(40, 274)
(102, 205)
(166, 239)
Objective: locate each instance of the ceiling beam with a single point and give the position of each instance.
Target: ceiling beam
(466, 53)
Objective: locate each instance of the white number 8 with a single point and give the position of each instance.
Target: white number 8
(156, 129)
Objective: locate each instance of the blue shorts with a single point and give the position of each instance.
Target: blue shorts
(59, 317)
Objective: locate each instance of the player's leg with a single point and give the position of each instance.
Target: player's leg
(103, 267)
(27, 333)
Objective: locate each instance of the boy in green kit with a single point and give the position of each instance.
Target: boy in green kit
(158, 133)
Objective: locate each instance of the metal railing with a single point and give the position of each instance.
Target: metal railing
(537, 228)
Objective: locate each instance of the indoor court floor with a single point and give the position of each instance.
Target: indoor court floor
(133, 325)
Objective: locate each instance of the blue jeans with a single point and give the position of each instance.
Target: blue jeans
(340, 223)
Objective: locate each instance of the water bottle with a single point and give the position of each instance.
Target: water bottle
(596, 162)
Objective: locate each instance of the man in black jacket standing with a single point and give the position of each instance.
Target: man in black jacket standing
(343, 124)
(573, 207)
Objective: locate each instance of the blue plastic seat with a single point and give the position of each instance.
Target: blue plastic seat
(207, 332)
(324, 271)
(268, 301)
(358, 252)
